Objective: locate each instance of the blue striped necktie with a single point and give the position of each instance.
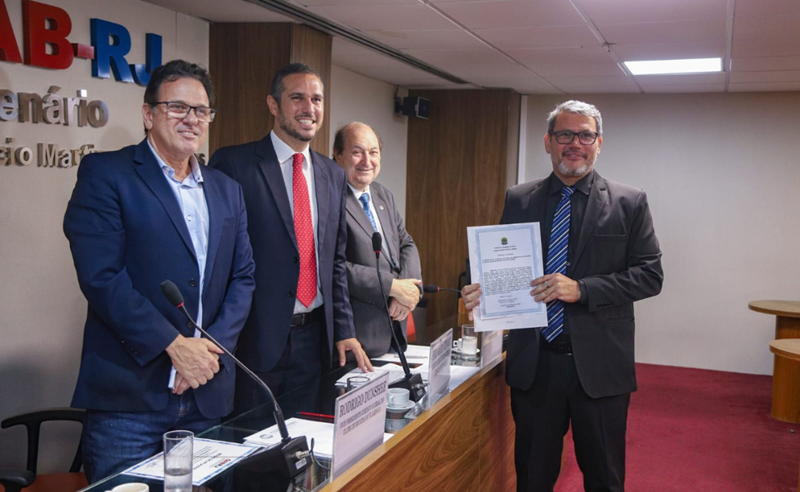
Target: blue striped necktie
(557, 261)
(364, 199)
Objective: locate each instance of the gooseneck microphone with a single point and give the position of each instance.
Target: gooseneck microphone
(294, 450)
(412, 382)
(433, 289)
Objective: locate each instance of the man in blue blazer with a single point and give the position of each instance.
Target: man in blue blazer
(137, 217)
(297, 223)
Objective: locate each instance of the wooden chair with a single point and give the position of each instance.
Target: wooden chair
(15, 480)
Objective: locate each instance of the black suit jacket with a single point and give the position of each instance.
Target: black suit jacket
(618, 258)
(372, 326)
(271, 227)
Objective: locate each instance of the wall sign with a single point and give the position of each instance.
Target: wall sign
(49, 26)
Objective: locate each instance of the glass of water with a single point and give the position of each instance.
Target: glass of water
(178, 452)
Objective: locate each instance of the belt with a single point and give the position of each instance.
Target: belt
(303, 319)
(559, 348)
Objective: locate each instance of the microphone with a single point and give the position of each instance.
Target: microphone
(433, 289)
(294, 451)
(412, 382)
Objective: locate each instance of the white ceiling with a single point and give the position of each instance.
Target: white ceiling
(555, 46)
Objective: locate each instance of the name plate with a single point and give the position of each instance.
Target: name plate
(358, 423)
(439, 375)
(491, 347)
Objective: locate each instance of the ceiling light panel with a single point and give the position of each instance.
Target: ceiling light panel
(660, 67)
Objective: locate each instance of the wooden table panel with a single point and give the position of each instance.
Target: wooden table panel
(463, 443)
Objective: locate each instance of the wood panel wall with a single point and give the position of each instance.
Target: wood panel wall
(243, 57)
(458, 164)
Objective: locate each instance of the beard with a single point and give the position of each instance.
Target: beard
(564, 170)
(286, 126)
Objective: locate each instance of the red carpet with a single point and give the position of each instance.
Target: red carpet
(705, 431)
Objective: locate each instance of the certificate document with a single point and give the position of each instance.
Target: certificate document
(504, 259)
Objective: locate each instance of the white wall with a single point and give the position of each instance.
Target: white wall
(721, 172)
(41, 308)
(358, 98)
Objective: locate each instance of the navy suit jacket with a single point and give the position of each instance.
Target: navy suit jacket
(271, 226)
(618, 258)
(127, 235)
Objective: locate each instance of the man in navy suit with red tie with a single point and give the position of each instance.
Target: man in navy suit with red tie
(297, 223)
(138, 216)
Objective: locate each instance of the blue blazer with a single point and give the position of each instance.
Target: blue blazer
(271, 226)
(127, 235)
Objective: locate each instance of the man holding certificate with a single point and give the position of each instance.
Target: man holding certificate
(600, 255)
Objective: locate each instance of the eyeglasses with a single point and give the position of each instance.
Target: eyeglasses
(181, 110)
(566, 137)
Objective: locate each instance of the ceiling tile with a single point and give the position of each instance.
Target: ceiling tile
(539, 37)
(342, 46)
(688, 78)
(403, 40)
(776, 76)
(444, 58)
(764, 47)
(625, 11)
(765, 64)
(766, 7)
(697, 31)
(369, 61)
(217, 11)
(530, 57)
(340, 3)
(786, 27)
(386, 17)
(670, 51)
(570, 69)
(683, 88)
(627, 89)
(515, 13)
(474, 72)
(585, 83)
(765, 87)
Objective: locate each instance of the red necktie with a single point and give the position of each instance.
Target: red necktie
(304, 230)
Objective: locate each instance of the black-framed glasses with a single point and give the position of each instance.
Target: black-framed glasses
(181, 110)
(566, 137)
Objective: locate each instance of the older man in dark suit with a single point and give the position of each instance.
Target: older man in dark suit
(296, 219)
(601, 255)
(370, 209)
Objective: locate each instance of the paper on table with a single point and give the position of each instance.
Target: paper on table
(504, 259)
(414, 354)
(210, 459)
(322, 432)
(395, 374)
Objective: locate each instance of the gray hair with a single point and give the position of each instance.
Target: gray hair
(578, 107)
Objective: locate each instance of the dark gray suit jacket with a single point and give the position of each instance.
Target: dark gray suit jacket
(372, 328)
(619, 260)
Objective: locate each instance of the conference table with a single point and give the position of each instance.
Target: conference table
(786, 372)
(463, 441)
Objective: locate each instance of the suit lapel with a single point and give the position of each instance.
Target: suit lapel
(213, 196)
(598, 197)
(271, 169)
(150, 172)
(386, 223)
(356, 211)
(322, 189)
